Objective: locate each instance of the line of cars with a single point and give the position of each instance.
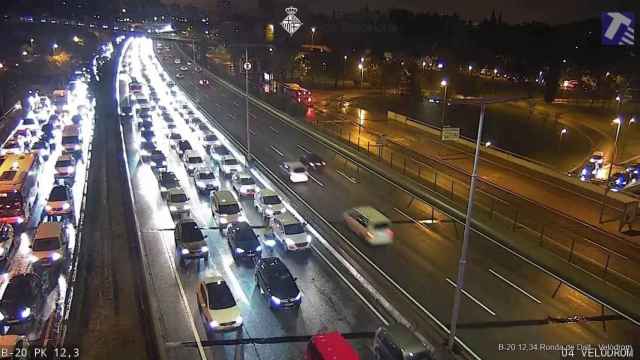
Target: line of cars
(32, 267)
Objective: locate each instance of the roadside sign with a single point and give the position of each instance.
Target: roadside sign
(450, 133)
(629, 215)
(247, 66)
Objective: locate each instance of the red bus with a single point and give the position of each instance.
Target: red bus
(18, 187)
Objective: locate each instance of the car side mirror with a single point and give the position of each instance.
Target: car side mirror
(295, 279)
(206, 236)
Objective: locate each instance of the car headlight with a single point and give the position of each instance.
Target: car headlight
(239, 251)
(204, 249)
(213, 324)
(56, 256)
(298, 297)
(66, 206)
(275, 300)
(48, 208)
(162, 188)
(172, 208)
(200, 184)
(25, 313)
(259, 248)
(239, 320)
(288, 241)
(269, 211)
(242, 218)
(33, 258)
(223, 220)
(187, 207)
(1, 316)
(184, 251)
(309, 238)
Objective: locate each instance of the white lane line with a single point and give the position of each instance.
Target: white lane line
(230, 115)
(185, 303)
(252, 115)
(303, 149)
(236, 104)
(316, 180)
(253, 133)
(515, 286)
(347, 176)
(472, 298)
(277, 151)
(274, 130)
(412, 219)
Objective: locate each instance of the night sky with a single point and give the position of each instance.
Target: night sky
(513, 11)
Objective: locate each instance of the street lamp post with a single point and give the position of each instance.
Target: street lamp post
(619, 121)
(247, 67)
(444, 84)
(361, 67)
(313, 35)
(344, 72)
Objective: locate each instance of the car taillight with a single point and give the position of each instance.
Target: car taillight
(389, 233)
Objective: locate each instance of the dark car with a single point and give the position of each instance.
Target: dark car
(8, 245)
(47, 133)
(312, 161)
(276, 283)
(76, 119)
(183, 145)
(148, 135)
(243, 241)
(22, 301)
(146, 148)
(158, 160)
(167, 180)
(146, 124)
(190, 242)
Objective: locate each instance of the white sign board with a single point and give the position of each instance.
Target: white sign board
(291, 23)
(450, 133)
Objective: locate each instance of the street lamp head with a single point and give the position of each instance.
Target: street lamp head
(360, 66)
(617, 121)
(487, 144)
(443, 83)
(345, 57)
(55, 46)
(632, 120)
(470, 67)
(563, 131)
(618, 98)
(313, 29)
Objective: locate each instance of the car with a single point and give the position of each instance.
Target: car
(60, 202)
(618, 181)
(158, 160)
(218, 307)
(290, 232)
(22, 301)
(167, 180)
(177, 61)
(633, 171)
(48, 244)
(182, 146)
(395, 341)
(148, 135)
(243, 184)
(275, 282)
(9, 244)
(312, 161)
(588, 172)
(145, 124)
(184, 68)
(174, 138)
(225, 209)
(597, 158)
(178, 201)
(146, 148)
(31, 125)
(179, 75)
(218, 151)
(204, 83)
(205, 180)
(209, 140)
(268, 203)
(192, 161)
(41, 148)
(190, 242)
(295, 171)
(65, 168)
(12, 147)
(243, 241)
(228, 165)
(369, 224)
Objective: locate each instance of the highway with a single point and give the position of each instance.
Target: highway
(328, 304)
(507, 299)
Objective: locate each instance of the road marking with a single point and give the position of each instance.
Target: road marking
(347, 176)
(274, 129)
(472, 298)
(252, 115)
(185, 302)
(252, 132)
(316, 180)
(230, 115)
(304, 149)
(236, 104)
(419, 223)
(277, 151)
(515, 286)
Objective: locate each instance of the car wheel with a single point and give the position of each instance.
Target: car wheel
(206, 259)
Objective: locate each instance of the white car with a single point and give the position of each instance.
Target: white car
(48, 244)
(178, 201)
(60, 201)
(210, 140)
(295, 171)
(217, 305)
(290, 232)
(369, 224)
(192, 161)
(243, 184)
(173, 138)
(205, 180)
(65, 167)
(229, 165)
(268, 203)
(11, 147)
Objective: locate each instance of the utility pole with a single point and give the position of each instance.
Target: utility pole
(247, 67)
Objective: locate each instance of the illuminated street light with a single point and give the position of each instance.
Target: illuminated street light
(76, 39)
(563, 131)
(440, 66)
(361, 67)
(124, 11)
(487, 144)
(470, 68)
(444, 83)
(54, 46)
(313, 35)
(1, 66)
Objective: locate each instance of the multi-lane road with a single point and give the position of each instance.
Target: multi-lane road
(507, 299)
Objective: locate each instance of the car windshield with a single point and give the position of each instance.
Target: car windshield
(70, 140)
(64, 163)
(210, 137)
(229, 209)
(58, 193)
(28, 121)
(206, 176)
(46, 244)
(220, 297)
(17, 290)
(177, 198)
(299, 170)
(293, 229)
(271, 200)
(381, 226)
(191, 232)
(247, 181)
(195, 160)
(221, 150)
(230, 162)
(175, 136)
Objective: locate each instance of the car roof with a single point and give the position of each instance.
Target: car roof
(243, 174)
(287, 219)
(177, 190)
(213, 279)
(404, 338)
(293, 164)
(267, 192)
(48, 230)
(225, 197)
(65, 157)
(372, 214)
(268, 262)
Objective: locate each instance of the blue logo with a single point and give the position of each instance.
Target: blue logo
(618, 28)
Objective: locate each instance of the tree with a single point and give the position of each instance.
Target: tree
(551, 84)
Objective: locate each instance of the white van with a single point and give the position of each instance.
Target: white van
(71, 138)
(370, 224)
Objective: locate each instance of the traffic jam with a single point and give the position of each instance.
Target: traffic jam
(204, 183)
(43, 166)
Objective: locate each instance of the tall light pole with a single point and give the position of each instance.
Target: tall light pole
(361, 67)
(344, 71)
(54, 46)
(619, 121)
(444, 84)
(247, 67)
(313, 35)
